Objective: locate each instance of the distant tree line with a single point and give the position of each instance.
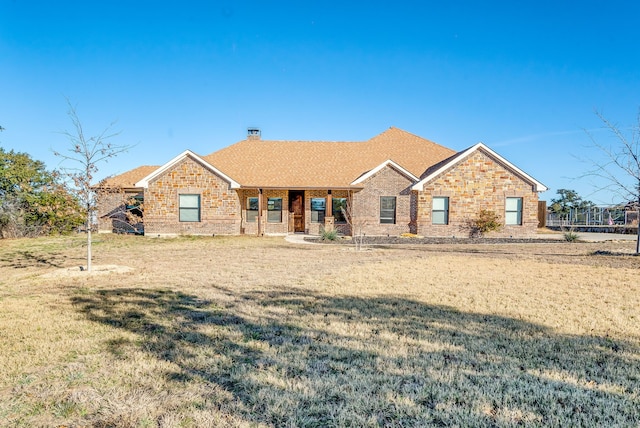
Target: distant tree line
(34, 201)
(566, 201)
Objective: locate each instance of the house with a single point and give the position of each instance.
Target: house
(393, 183)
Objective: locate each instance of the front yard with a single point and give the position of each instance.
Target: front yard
(259, 332)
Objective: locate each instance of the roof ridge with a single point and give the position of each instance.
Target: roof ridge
(308, 163)
(411, 134)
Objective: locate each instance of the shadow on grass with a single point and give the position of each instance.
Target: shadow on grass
(613, 253)
(295, 358)
(25, 259)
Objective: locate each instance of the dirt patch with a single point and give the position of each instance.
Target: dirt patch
(82, 271)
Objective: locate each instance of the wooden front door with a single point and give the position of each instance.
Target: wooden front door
(296, 209)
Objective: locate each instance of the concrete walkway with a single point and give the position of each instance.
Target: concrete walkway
(297, 238)
(591, 236)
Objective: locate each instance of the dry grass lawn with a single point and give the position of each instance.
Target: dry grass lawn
(258, 332)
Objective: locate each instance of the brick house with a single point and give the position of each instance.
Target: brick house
(393, 183)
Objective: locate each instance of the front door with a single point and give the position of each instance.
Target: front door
(296, 209)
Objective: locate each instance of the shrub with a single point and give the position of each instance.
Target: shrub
(329, 235)
(570, 235)
(487, 221)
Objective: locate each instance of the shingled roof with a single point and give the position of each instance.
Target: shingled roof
(323, 164)
(313, 164)
(128, 179)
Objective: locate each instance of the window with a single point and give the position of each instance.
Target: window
(274, 210)
(252, 210)
(440, 210)
(388, 209)
(318, 209)
(339, 209)
(189, 208)
(513, 211)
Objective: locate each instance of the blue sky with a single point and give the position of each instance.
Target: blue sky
(523, 77)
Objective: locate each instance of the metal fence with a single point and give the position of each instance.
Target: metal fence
(594, 216)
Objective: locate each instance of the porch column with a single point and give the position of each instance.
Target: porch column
(260, 201)
(328, 214)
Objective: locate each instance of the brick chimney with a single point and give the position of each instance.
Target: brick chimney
(253, 133)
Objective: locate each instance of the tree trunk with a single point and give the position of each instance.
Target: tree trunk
(638, 231)
(89, 245)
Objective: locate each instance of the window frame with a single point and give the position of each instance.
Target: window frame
(509, 211)
(274, 205)
(317, 215)
(184, 209)
(444, 211)
(336, 210)
(386, 219)
(252, 214)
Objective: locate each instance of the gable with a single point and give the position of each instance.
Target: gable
(387, 181)
(387, 164)
(187, 154)
(188, 174)
(479, 149)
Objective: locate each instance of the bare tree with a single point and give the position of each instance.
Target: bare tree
(353, 214)
(86, 153)
(620, 167)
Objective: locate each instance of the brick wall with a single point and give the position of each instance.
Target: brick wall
(479, 182)
(283, 226)
(342, 228)
(220, 205)
(251, 228)
(311, 227)
(112, 209)
(366, 203)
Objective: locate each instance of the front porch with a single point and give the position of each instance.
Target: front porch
(284, 211)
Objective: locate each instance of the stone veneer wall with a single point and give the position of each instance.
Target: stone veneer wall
(479, 182)
(366, 203)
(219, 204)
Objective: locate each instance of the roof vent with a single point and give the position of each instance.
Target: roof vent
(253, 133)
